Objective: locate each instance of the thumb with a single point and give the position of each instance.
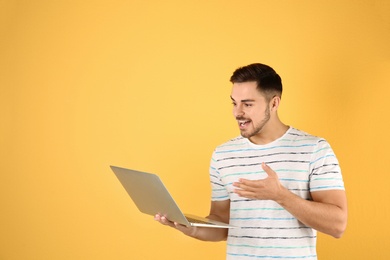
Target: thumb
(268, 170)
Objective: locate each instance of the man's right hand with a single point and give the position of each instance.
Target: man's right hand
(189, 231)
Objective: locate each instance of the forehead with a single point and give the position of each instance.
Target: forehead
(246, 91)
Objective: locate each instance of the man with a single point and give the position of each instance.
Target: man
(278, 184)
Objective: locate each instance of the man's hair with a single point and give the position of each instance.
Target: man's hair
(268, 81)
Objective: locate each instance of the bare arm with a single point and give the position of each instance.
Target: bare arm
(219, 210)
(327, 212)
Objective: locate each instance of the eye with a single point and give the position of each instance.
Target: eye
(248, 105)
(234, 103)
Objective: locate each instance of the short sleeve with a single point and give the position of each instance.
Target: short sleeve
(325, 172)
(218, 190)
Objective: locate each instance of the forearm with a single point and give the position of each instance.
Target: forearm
(200, 233)
(210, 234)
(323, 216)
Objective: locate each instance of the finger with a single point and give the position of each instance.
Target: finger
(244, 193)
(250, 185)
(268, 170)
(181, 227)
(163, 220)
(189, 231)
(166, 221)
(244, 184)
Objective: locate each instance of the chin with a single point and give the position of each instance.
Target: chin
(246, 135)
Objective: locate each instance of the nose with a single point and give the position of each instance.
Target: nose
(238, 112)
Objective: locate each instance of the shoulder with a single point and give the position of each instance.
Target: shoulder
(237, 141)
(296, 135)
(230, 147)
(234, 143)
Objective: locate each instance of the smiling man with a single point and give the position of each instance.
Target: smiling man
(278, 184)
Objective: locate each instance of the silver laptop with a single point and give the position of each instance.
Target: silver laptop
(151, 197)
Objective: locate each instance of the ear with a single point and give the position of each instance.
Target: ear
(274, 103)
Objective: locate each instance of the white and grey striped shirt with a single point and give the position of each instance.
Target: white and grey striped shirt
(304, 164)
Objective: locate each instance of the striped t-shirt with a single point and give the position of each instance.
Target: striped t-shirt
(303, 163)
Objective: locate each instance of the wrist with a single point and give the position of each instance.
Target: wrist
(283, 195)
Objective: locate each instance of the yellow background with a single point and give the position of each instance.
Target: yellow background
(144, 84)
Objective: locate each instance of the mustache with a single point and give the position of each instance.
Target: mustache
(241, 118)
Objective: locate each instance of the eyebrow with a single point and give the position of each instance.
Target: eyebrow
(244, 100)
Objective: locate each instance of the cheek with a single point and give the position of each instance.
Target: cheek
(257, 118)
(252, 115)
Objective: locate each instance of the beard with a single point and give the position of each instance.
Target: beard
(258, 127)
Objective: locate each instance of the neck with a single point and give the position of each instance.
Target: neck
(273, 130)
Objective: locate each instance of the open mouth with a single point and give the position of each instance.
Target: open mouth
(243, 123)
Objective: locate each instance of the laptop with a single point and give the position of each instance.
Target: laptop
(151, 197)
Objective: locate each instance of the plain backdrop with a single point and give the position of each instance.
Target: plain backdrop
(145, 85)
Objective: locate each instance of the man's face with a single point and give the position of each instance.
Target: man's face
(249, 108)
